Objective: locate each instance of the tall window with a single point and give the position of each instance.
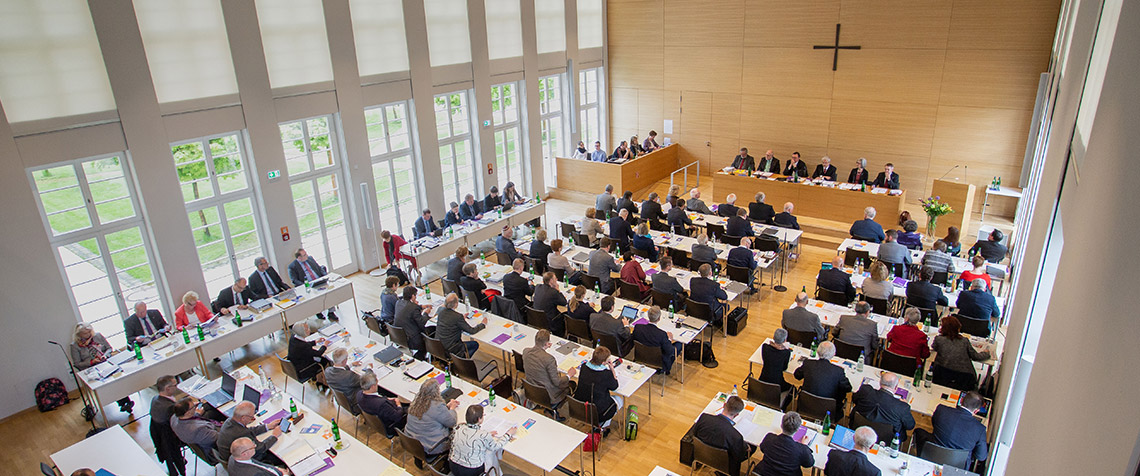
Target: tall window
(550, 120)
(311, 158)
(589, 93)
(397, 185)
(219, 202)
(457, 160)
(508, 133)
(92, 217)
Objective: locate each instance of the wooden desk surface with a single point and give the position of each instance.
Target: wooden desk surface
(810, 200)
(591, 177)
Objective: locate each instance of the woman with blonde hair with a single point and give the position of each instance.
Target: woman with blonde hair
(644, 242)
(90, 348)
(671, 198)
(191, 308)
(877, 286)
(578, 307)
(590, 226)
(430, 420)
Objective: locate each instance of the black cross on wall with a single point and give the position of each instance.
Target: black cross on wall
(836, 47)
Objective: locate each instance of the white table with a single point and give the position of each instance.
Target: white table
(960, 263)
(788, 235)
(113, 450)
(428, 250)
(756, 421)
(315, 301)
(172, 358)
(659, 471)
(1001, 191)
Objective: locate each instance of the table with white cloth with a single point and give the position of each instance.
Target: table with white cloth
(430, 249)
(112, 450)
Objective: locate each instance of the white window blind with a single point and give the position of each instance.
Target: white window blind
(378, 27)
(449, 38)
(186, 48)
(295, 42)
(589, 23)
(550, 20)
(504, 29)
(50, 63)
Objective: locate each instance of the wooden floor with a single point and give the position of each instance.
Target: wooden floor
(32, 436)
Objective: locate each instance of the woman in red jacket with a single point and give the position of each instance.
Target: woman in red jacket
(907, 338)
(392, 253)
(632, 273)
(191, 307)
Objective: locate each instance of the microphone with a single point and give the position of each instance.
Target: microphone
(54, 342)
(948, 172)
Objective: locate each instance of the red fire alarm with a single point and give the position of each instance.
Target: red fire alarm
(284, 233)
(490, 169)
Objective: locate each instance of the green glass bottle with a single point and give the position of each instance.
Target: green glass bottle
(447, 377)
(427, 293)
(814, 347)
(185, 335)
(293, 409)
(201, 333)
(918, 379)
(827, 423)
(491, 398)
(335, 431)
(537, 199)
(138, 352)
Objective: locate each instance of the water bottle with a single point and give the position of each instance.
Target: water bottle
(293, 409)
(895, 446)
(237, 318)
(447, 377)
(263, 377)
(814, 347)
(670, 311)
(138, 352)
(598, 289)
(537, 199)
(491, 398)
(918, 380)
(827, 423)
(926, 325)
(929, 376)
(859, 363)
(427, 293)
(482, 258)
(201, 333)
(185, 335)
(335, 431)
(734, 391)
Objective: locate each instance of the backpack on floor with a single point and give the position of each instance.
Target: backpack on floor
(50, 394)
(694, 352)
(398, 273)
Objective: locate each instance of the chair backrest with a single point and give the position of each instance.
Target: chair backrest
(535, 318)
(579, 329)
(537, 264)
(899, 364)
(436, 349)
(449, 286)
(202, 454)
(657, 225)
(287, 368)
(849, 351)
(465, 368)
(730, 239)
(47, 469)
(931, 314)
(372, 323)
(714, 230)
(680, 229)
(898, 268)
(343, 401)
(699, 310)
(764, 393)
(975, 327)
(502, 258)
(738, 274)
(582, 412)
(878, 306)
(517, 357)
(766, 243)
(663, 300)
(376, 424)
(581, 239)
(629, 291)
(834, 297)
(940, 277)
(850, 257)
(640, 252)
(650, 356)
(712, 457)
(884, 432)
(472, 298)
(412, 445)
(559, 273)
(813, 407)
(537, 394)
(680, 258)
(398, 336)
(695, 265)
(567, 229)
(801, 338)
(590, 282)
(611, 342)
(218, 457)
(939, 454)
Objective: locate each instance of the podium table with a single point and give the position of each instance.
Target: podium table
(591, 177)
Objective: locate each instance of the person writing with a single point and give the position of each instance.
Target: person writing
(783, 454)
(825, 170)
(719, 431)
(542, 369)
(650, 143)
(472, 446)
(430, 420)
(238, 295)
(743, 161)
(191, 310)
(88, 349)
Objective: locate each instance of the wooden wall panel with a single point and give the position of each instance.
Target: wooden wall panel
(623, 101)
(795, 120)
(690, 23)
(636, 67)
(792, 72)
(725, 113)
(696, 114)
(650, 112)
(1004, 25)
(722, 150)
(992, 78)
(899, 129)
(895, 75)
(695, 68)
(790, 23)
(647, 13)
(896, 24)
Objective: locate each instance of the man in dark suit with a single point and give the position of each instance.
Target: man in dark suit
(799, 318)
(738, 224)
(265, 281)
(451, 325)
(620, 231)
(452, 215)
(626, 203)
(470, 209)
(471, 282)
(144, 324)
(769, 163)
(991, 249)
(825, 379)
(923, 293)
(719, 431)
(455, 264)
(785, 219)
(505, 244)
(601, 264)
(743, 161)
(742, 257)
(957, 427)
(388, 410)
(854, 462)
(663, 282)
(760, 212)
(701, 251)
(651, 209)
(678, 220)
(492, 200)
(706, 290)
(782, 453)
(237, 295)
(305, 269)
(977, 303)
(242, 463)
(237, 426)
(653, 336)
(825, 170)
(882, 406)
(306, 356)
(517, 288)
(887, 178)
(340, 376)
(797, 166)
(728, 208)
(867, 228)
(604, 323)
(167, 446)
(835, 279)
(425, 225)
(859, 329)
(547, 298)
(411, 317)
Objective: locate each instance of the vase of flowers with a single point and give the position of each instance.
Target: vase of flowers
(934, 209)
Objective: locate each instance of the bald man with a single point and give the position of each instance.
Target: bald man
(243, 464)
(237, 426)
(880, 405)
(835, 279)
(769, 163)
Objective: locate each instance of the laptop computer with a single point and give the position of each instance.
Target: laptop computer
(693, 322)
(388, 355)
(843, 438)
(225, 394)
(260, 305)
(629, 312)
(320, 282)
(248, 394)
(418, 369)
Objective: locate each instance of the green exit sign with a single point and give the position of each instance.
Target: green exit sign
(274, 174)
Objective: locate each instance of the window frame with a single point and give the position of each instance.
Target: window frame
(504, 126)
(452, 139)
(547, 119)
(389, 157)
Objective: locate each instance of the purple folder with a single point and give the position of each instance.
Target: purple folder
(900, 282)
(501, 338)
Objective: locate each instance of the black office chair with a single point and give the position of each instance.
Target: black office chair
(767, 394)
(372, 323)
(439, 354)
(730, 239)
(738, 274)
(536, 264)
(899, 364)
(579, 329)
(650, 356)
(47, 469)
(585, 413)
(658, 225)
(833, 297)
(849, 351)
(939, 454)
(590, 282)
(931, 314)
(472, 371)
(450, 286)
(664, 300)
(940, 278)
(813, 407)
(519, 366)
(850, 257)
(715, 231)
(715, 458)
(884, 432)
(630, 291)
(559, 273)
(580, 239)
(290, 372)
(900, 269)
(681, 230)
(766, 243)
(878, 306)
(472, 299)
(611, 342)
(801, 338)
(503, 258)
(398, 336)
(695, 265)
(699, 310)
(537, 395)
(568, 230)
(975, 327)
(535, 318)
(640, 252)
(680, 258)
(377, 426)
(414, 448)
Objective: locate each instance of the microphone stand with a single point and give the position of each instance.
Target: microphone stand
(783, 263)
(89, 410)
